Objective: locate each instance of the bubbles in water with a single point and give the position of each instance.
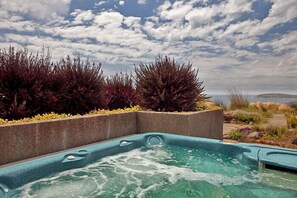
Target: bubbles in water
(150, 172)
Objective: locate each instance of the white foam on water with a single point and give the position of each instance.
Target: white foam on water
(69, 189)
(140, 192)
(133, 173)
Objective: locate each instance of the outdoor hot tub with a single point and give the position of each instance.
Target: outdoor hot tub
(156, 165)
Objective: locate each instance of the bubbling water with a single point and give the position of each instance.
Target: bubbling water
(157, 172)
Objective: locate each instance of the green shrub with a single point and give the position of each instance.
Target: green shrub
(267, 114)
(237, 99)
(258, 128)
(168, 86)
(275, 131)
(235, 135)
(293, 105)
(247, 118)
(292, 121)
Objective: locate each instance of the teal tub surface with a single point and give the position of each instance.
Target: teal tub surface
(155, 165)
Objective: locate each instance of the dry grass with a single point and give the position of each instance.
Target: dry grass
(219, 103)
(293, 105)
(271, 135)
(200, 106)
(291, 120)
(275, 132)
(284, 108)
(270, 107)
(237, 99)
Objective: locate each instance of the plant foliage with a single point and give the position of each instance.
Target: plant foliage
(119, 91)
(168, 86)
(32, 84)
(275, 131)
(78, 86)
(236, 135)
(247, 118)
(292, 120)
(24, 80)
(293, 105)
(237, 99)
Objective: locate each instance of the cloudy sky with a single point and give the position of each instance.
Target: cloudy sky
(250, 44)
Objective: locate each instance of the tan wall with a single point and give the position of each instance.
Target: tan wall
(208, 124)
(22, 141)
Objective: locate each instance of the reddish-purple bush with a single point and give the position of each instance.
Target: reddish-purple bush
(32, 84)
(119, 91)
(24, 79)
(77, 86)
(168, 86)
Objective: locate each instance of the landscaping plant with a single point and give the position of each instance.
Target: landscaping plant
(242, 117)
(119, 91)
(168, 86)
(275, 132)
(292, 120)
(79, 86)
(220, 103)
(235, 135)
(247, 118)
(237, 99)
(293, 105)
(32, 84)
(24, 81)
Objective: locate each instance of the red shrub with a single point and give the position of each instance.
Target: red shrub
(119, 91)
(77, 86)
(32, 84)
(168, 86)
(23, 83)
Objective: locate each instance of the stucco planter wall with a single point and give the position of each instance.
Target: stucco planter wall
(23, 141)
(208, 124)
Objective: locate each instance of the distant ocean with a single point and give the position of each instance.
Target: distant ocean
(252, 98)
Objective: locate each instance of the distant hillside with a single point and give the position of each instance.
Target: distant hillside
(276, 95)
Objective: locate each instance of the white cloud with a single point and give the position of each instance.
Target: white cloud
(177, 11)
(109, 18)
(100, 3)
(121, 2)
(82, 16)
(236, 6)
(284, 43)
(18, 25)
(184, 19)
(280, 12)
(166, 5)
(39, 9)
(142, 2)
(240, 27)
(198, 17)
